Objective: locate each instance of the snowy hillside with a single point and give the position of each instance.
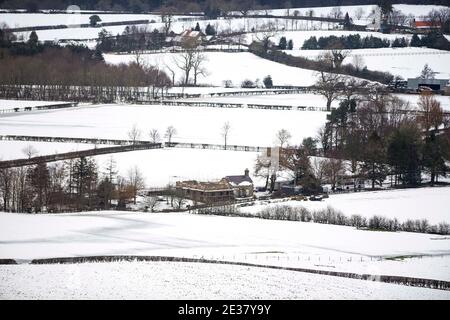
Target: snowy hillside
(169, 280)
(221, 66)
(283, 243)
(406, 62)
(400, 204)
(18, 20)
(193, 124)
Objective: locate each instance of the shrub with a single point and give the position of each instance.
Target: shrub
(443, 228)
(268, 83)
(248, 84)
(305, 215)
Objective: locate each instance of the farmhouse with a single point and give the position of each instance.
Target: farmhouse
(186, 36)
(242, 185)
(206, 192)
(226, 190)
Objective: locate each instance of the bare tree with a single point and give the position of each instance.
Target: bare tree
(244, 7)
(351, 87)
(296, 160)
(283, 137)
(225, 132)
(336, 13)
(190, 57)
(318, 168)
(326, 59)
(170, 132)
(30, 151)
(329, 85)
(358, 62)
(111, 175)
(177, 198)
(134, 134)
(268, 32)
(198, 65)
(172, 73)
(151, 203)
(339, 56)
(359, 13)
(262, 168)
(431, 114)
(184, 62)
(440, 18)
(167, 19)
(137, 58)
(136, 182)
(333, 169)
(398, 18)
(154, 136)
(239, 38)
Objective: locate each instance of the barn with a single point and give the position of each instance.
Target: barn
(434, 84)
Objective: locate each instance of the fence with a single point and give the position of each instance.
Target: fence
(409, 281)
(71, 140)
(77, 154)
(244, 92)
(181, 50)
(186, 145)
(34, 108)
(204, 104)
(189, 145)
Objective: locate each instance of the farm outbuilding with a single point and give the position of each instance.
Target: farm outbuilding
(434, 84)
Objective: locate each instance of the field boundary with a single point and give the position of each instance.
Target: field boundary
(77, 154)
(408, 281)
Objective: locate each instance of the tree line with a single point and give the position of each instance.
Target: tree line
(379, 138)
(75, 73)
(384, 136)
(434, 40)
(132, 39)
(330, 215)
(73, 185)
(353, 41)
(372, 136)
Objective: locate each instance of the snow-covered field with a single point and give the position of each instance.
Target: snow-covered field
(248, 126)
(18, 20)
(416, 10)
(236, 67)
(423, 203)
(38, 19)
(406, 62)
(75, 33)
(26, 19)
(414, 99)
(167, 280)
(285, 243)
